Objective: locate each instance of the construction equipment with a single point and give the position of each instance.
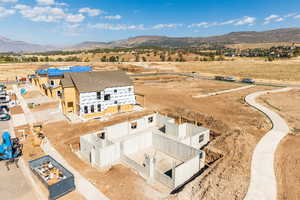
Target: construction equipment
(10, 149)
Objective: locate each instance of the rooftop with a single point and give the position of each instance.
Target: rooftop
(96, 81)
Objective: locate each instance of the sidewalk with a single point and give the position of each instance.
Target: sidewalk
(263, 185)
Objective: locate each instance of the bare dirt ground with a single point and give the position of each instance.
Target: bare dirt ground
(288, 153)
(236, 126)
(16, 110)
(32, 94)
(190, 86)
(282, 70)
(45, 106)
(235, 133)
(118, 182)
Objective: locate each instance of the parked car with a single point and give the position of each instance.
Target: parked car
(248, 80)
(220, 78)
(4, 99)
(2, 87)
(4, 117)
(4, 109)
(230, 79)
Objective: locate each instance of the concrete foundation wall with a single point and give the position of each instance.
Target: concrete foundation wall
(162, 178)
(109, 155)
(186, 170)
(173, 148)
(117, 131)
(137, 143)
(123, 129)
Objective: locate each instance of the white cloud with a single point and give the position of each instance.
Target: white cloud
(74, 18)
(46, 2)
(112, 17)
(202, 24)
(117, 27)
(162, 26)
(289, 15)
(41, 14)
(91, 12)
(4, 12)
(297, 17)
(245, 21)
(229, 22)
(276, 18)
(271, 17)
(50, 3)
(8, 1)
(48, 14)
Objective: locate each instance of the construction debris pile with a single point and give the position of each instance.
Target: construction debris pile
(50, 173)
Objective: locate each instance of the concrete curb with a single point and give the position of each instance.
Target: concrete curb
(263, 184)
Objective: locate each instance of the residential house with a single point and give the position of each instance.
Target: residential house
(97, 93)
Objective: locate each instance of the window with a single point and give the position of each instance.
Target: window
(101, 135)
(98, 95)
(129, 89)
(99, 107)
(58, 93)
(150, 119)
(107, 97)
(201, 138)
(51, 82)
(70, 104)
(86, 110)
(116, 102)
(92, 108)
(133, 125)
(115, 91)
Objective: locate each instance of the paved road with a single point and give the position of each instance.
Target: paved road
(263, 184)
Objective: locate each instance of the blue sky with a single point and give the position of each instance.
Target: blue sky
(65, 22)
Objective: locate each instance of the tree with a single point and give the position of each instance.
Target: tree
(103, 59)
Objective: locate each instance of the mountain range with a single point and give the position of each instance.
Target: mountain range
(289, 35)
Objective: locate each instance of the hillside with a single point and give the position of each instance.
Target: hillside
(8, 45)
(291, 35)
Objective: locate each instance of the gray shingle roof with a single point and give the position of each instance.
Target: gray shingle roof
(96, 80)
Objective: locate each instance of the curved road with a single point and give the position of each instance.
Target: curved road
(263, 181)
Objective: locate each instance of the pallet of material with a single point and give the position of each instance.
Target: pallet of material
(58, 180)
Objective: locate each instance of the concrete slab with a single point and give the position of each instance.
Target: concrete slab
(19, 120)
(14, 185)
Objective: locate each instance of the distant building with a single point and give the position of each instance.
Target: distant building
(48, 80)
(94, 94)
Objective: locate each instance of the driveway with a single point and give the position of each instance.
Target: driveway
(263, 181)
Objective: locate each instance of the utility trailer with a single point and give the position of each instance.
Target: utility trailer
(58, 180)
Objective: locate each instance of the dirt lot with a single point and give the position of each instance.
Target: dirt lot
(235, 133)
(288, 152)
(190, 86)
(16, 110)
(281, 70)
(117, 182)
(237, 127)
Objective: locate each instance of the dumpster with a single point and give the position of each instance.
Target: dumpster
(58, 180)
